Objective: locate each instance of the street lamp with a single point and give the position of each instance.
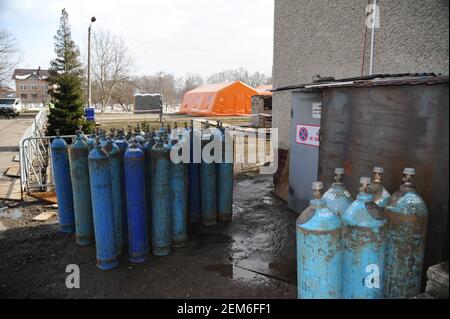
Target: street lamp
(161, 78)
(93, 19)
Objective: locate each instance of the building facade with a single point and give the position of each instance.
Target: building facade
(31, 85)
(327, 38)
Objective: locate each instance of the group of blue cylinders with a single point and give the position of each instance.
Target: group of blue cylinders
(128, 189)
(368, 248)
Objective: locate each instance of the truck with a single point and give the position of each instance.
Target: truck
(10, 107)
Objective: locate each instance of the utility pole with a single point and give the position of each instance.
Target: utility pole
(89, 62)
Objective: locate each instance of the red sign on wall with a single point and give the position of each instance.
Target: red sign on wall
(308, 134)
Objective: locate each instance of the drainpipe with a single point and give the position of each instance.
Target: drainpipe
(372, 37)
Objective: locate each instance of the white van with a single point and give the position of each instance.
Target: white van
(10, 106)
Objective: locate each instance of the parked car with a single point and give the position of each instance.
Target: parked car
(10, 107)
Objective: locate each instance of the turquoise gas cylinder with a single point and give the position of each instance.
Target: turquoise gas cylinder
(319, 252)
(376, 188)
(337, 197)
(407, 216)
(364, 243)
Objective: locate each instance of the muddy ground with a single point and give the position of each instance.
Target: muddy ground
(251, 257)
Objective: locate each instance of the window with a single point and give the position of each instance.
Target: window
(33, 87)
(45, 87)
(23, 96)
(34, 96)
(23, 87)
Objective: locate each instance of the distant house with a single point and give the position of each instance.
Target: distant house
(31, 85)
(6, 92)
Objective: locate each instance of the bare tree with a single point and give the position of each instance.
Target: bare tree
(123, 94)
(241, 74)
(9, 56)
(112, 65)
(190, 82)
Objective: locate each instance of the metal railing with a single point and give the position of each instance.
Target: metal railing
(33, 153)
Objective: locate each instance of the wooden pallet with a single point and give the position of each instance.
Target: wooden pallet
(10, 190)
(13, 171)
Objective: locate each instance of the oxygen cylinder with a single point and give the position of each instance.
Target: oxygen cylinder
(116, 190)
(194, 193)
(364, 246)
(82, 135)
(137, 215)
(102, 208)
(79, 173)
(407, 216)
(225, 177)
(319, 252)
(90, 142)
(122, 144)
(147, 149)
(376, 188)
(63, 184)
(338, 199)
(178, 193)
(208, 182)
(161, 215)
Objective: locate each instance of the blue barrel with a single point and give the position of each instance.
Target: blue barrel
(225, 178)
(407, 217)
(102, 208)
(122, 144)
(380, 194)
(63, 184)
(194, 193)
(319, 251)
(79, 172)
(208, 182)
(137, 215)
(178, 193)
(338, 199)
(115, 163)
(147, 149)
(161, 214)
(364, 245)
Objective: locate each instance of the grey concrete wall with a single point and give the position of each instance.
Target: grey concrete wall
(326, 37)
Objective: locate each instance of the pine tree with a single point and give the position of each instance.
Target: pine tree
(66, 84)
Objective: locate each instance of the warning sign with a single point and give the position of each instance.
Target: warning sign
(308, 134)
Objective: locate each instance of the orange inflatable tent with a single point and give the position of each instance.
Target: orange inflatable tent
(219, 99)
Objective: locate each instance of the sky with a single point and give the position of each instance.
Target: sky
(176, 36)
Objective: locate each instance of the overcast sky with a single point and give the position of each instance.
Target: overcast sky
(178, 36)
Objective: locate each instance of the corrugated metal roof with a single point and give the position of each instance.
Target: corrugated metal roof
(375, 80)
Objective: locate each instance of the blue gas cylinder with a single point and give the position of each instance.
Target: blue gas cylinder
(194, 193)
(225, 177)
(364, 243)
(137, 215)
(407, 216)
(376, 188)
(63, 184)
(79, 172)
(122, 144)
(161, 214)
(115, 163)
(178, 193)
(102, 208)
(147, 149)
(338, 199)
(319, 251)
(208, 180)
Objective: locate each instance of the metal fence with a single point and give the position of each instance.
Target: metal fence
(33, 154)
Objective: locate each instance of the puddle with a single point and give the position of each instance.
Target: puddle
(270, 265)
(11, 214)
(234, 272)
(245, 183)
